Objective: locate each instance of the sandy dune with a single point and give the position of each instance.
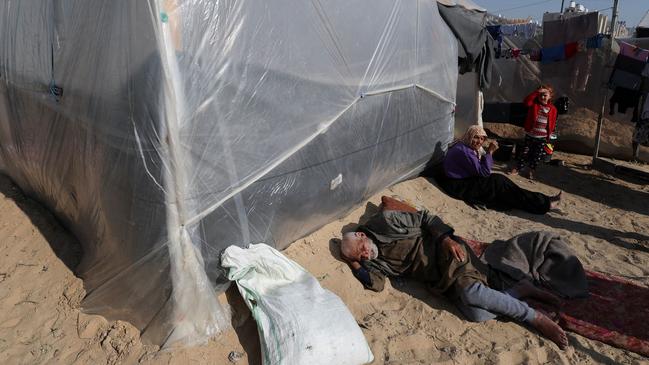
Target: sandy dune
(605, 219)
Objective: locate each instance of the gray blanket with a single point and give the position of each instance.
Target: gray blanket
(542, 257)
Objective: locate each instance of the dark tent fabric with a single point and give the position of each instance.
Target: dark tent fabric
(475, 45)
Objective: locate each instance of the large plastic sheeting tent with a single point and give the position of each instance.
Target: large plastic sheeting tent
(161, 132)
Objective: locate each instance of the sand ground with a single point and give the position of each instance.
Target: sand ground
(605, 219)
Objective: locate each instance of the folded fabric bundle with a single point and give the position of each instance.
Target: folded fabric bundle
(542, 257)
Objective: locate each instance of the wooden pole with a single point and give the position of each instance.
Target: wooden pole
(600, 118)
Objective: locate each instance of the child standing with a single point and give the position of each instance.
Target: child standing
(539, 125)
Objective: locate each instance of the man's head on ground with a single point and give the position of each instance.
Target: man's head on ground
(356, 246)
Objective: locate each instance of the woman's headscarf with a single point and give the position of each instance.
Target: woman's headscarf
(474, 130)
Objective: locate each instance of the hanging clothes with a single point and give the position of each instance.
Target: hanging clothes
(553, 54)
(633, 51)
(535, 55)
(581, 46)
(624, 79)
(497, 35)
(595, 41)
(641, 130)
(629, 64)
(570, 50)
(523, 30)
(625, 99)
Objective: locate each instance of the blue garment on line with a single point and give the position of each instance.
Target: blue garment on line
(494, 30)
(553, 54)
(496, 34)
(595, 41)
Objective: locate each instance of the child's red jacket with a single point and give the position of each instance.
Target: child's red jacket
(533, 110)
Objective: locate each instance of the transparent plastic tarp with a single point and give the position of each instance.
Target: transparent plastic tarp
(161, 132)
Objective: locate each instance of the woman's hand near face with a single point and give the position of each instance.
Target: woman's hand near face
(493, 146)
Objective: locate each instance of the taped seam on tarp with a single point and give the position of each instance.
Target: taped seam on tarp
(391, 139)
(403, 87)
(434, 93)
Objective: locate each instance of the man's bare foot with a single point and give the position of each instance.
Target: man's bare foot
(550, 330)
(513, 171)
(554, 200)
(525, 289)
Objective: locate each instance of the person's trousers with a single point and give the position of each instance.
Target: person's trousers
(496, 191)
(533, 153)
(480, 303)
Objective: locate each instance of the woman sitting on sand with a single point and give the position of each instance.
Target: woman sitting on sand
(468, 177)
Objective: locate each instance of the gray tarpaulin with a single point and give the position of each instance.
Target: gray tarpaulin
(570, 29)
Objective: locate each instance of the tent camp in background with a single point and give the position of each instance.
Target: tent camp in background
(161, 132)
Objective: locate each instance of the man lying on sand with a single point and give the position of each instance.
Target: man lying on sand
(421, 246)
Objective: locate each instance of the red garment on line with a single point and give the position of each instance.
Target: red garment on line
(571, 49)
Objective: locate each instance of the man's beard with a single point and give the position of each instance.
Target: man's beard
(374, 251)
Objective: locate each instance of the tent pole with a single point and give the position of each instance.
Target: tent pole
(605, 95)
(562, 6)
(479, 101)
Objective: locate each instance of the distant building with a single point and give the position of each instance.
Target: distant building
(574, 7)
(602, 20)
(621, 31)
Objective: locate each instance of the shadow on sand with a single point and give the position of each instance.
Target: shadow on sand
(596, 188)
(613, 236)
(64, 245)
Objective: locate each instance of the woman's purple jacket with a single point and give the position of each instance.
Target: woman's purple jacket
(461, 162)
